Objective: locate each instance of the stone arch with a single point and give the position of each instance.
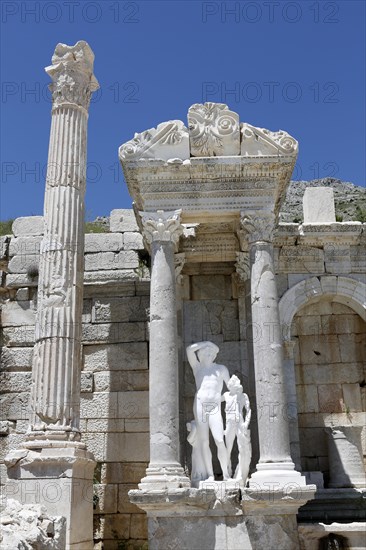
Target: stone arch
(344, 290)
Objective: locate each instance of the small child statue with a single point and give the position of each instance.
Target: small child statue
(236, 426)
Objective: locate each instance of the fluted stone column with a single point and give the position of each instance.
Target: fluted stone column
(291, 395)
(275, 466)
(55, 394)
(162, 231)
(53, 468)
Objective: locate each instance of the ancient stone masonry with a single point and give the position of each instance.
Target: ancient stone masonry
(201, 258)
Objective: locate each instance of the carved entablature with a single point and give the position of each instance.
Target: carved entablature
(161, 226)
(257, 228)
(213, 130)
(262, 142)
(72, 75)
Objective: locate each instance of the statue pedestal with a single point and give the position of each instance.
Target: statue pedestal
(61, 479)
(220, 517)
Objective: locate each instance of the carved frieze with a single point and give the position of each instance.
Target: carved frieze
(72, 75)
(211, 247)
(213, 130)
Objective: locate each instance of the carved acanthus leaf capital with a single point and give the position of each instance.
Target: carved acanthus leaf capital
(161, 226)
(72, 75)
(257, 228)
(242, 266)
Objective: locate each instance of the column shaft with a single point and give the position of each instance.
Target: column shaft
(55, 393)
(162, 231)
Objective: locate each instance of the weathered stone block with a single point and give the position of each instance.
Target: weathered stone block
(133, 241)
(127, 447)
(103, 242)
(300, 259)
(100, 278)
(352, 347)
(121, 381)
(99, 405)
(30, 225)
(127, 259)
(318, 350)
(358, 259)
(117, 472)
(104, 425)
(23, 263)
(124, 504)
(336, 373)
(330, 398)
(343, 324)
(18, 336)
(305, 325)
(337, 258)
(17, 314)
(113, 333)
(313, 442)
(86, 382)
(10, 442)
(206, 287)
(18, 280)
(15, 358)
(352, 397)
(133, 405)
(11, 382)
(25, 246)
(117, 310)
(112, 526)
(138, 529)
(122, 220)
(136, 425)
(105, 498)
(96, 444)
(128, 356)
(307, 398)
(318, 205)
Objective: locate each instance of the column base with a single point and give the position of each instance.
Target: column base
(60, 478)
(159, 478)
(276, 475)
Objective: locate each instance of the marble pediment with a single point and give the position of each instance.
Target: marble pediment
(213, 131)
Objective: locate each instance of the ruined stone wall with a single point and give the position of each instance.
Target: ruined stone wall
(114, 379)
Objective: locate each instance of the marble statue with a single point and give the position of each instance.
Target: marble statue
(235, 400)
(209, 377)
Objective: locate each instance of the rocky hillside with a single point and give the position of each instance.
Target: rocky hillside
(350, 200)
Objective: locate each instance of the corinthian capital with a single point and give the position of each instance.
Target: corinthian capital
(71, 71)
(162, 226)
(257, 228)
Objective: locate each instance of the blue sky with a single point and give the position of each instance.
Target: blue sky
(297, 66)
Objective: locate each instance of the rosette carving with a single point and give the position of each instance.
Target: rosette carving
(262, 142)
(213, 130)
(72, 75)
(162, 226)
(168, 140)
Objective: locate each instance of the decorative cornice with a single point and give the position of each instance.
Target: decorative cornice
(262, 142)
(72, 75)
(214, 131)
(257, 228)
(168, 141)
(161, 226)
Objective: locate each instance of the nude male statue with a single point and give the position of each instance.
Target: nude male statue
(209, 378)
